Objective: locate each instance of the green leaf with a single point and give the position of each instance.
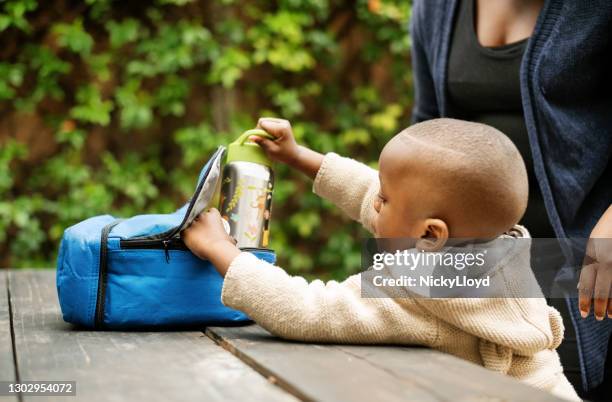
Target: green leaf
(305, 222)
(386, 120)
(123, 32)
(356, 136)
(91, 108)
(131, 177)
(11, 77)
(229, 67)
(74, 37)
(13, 14)
(10, 151)
(134, 105)
(99, 65)
(170, 96)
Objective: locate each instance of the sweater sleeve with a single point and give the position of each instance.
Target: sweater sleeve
(291, 308)
(350, 185)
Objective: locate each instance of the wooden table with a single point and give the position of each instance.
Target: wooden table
(220, 364)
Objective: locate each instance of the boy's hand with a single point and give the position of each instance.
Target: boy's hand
(285, 149)
(206, 237)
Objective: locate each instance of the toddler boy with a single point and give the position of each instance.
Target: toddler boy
(438, 179)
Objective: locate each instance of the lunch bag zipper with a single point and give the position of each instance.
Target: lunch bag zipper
(174, 243)
(99, 314)
(165, 244)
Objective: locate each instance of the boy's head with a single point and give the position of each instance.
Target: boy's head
(450, 178)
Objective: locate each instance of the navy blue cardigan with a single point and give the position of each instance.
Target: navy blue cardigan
(566, 88)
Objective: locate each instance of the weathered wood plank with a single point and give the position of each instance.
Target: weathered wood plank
(7, 366)
(316, 372)
(367, 373)
(447, 376)
(118, 366)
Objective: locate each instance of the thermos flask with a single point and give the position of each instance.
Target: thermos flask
(246, 191)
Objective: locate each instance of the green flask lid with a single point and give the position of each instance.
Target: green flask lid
(244, 150)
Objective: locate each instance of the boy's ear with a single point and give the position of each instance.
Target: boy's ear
(435, 235)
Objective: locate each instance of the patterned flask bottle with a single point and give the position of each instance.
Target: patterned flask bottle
(246, 191)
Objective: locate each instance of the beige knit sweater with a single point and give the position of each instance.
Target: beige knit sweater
(513, 336)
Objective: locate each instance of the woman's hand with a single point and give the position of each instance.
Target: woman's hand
(285, 149)
(206, 237)
(596, 275)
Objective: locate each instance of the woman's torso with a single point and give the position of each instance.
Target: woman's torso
(484, 86)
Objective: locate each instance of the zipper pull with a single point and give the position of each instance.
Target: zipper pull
(166, 251)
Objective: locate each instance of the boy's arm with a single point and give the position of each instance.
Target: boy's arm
(292, 308)
(350, 185)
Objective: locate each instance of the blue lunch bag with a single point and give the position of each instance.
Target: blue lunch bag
(137, 273)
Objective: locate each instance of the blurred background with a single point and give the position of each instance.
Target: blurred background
(114, 106)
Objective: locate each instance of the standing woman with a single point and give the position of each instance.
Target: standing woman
(541, 72)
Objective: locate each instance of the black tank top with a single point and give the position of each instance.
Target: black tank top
(484, 86)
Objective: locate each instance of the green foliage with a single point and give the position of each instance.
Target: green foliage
(121, 104)
(74, 37)
(13, 14)
(90, 107)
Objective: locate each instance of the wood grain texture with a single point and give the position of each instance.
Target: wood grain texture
(7, 366)
(369, 373)
(122, 366)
